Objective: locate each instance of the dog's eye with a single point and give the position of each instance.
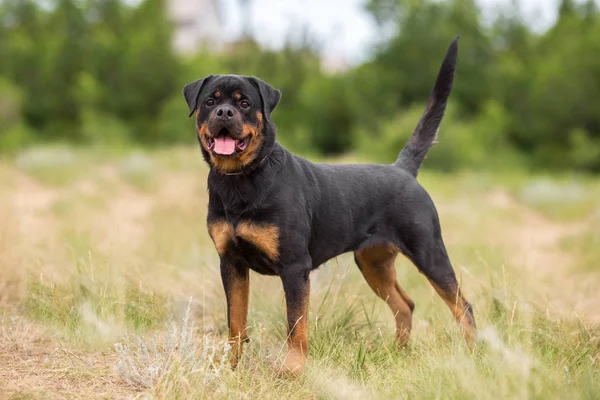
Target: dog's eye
(245, 105)
(210, 102)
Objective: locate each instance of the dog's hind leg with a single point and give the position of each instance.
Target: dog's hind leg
(377, 266)
(296, 285)
(433, 262)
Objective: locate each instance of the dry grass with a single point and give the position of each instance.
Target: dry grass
(148, 364)
(99, 256)
(37, 363)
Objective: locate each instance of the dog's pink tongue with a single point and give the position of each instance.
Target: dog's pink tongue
(224, 145)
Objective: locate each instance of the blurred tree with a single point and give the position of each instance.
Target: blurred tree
(66, 50)
(515, 49)
(109, 28)
(564, 94)
(566, 8)
(149, 69)
(590, 9)
(327, 101)
(104, 71)
(14, 134)
(411, 60)
(24, 51)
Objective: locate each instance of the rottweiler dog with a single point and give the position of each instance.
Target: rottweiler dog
(275, 213)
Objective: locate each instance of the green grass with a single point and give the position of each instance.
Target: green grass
(100, 267)
(521, 354)
(587, 248)
(91, 308)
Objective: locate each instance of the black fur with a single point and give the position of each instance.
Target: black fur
(324, 210)
(191, 91)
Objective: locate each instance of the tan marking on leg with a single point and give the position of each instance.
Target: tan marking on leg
(297, 336)
(460, 309)
(238, 314)
(222, 234)
(377, 266)
(264, 237)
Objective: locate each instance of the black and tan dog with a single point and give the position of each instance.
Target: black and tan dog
(279, 214)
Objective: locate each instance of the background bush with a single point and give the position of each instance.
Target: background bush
(104, 72)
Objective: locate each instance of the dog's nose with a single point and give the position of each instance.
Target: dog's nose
(225, 112)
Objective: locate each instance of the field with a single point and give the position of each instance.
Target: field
(110, 288)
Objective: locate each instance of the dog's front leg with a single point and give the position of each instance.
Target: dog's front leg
(236, 282)
(296, 285)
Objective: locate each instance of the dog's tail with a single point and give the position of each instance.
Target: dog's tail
(414, 151)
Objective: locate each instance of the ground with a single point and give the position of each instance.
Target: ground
(100, 254)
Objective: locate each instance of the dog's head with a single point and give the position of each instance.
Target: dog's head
(232, 119)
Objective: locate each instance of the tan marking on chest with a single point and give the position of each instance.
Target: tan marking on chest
(221, 233)
(264, 237)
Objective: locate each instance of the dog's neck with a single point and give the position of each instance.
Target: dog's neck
(249, 188)
(245, 170)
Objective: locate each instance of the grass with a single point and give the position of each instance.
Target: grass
(100, 255)
(587, 246)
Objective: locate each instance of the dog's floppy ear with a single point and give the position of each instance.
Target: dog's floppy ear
(191, 91)
(269, 95)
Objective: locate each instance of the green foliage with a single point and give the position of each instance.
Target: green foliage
(14, 134)
(327, 100)
(104, 72)
(173, 126)
(409, 63)
(78, 62)
(584, 150)
(473, 143)
(103, 129)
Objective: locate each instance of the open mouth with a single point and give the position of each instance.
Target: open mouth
(225, 145)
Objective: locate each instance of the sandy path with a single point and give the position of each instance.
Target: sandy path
(32, 207)
(34, 362)
(29, 234)
(536, 244)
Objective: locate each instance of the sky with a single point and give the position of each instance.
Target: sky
(342, 27)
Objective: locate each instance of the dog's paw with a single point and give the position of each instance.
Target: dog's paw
(293, 364)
